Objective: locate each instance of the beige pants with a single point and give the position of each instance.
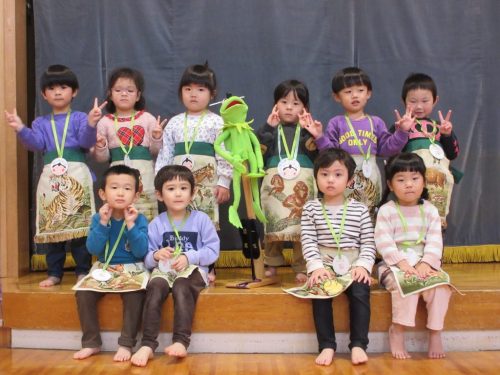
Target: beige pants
(273, 256)
(405, 309)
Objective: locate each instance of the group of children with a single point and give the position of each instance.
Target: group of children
(176, 165)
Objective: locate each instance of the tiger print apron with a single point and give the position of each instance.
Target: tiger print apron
(282, 200)
(367, 190)
(201, 160)
(140, 159)
(438, 181)
(65, 204)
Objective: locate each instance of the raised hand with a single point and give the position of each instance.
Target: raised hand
(100, 141)
(105, 213)
(314, 127)
(446, 126)
(13, 120)
(130, 214)
(274, 118)
(157, 131)
(406, 122)
(95, 113)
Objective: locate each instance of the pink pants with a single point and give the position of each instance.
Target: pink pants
(405, 309)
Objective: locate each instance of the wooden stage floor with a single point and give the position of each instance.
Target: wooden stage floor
(59, 362)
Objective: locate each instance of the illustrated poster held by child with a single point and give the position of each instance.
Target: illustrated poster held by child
(65, 197)
(362, 135)
(337, 239)
(408, 236)
(434, 141)
(182, 245)
(289, 182)
(119, 238)
(129, 135)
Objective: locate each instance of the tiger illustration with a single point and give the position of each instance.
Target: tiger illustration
(69, 199)
(364, 190)
(205, 173)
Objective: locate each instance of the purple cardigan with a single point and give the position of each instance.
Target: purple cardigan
(338, 135)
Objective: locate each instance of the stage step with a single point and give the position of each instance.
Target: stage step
(243, 317)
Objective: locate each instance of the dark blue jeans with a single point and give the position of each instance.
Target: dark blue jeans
(56, 255)
(359, 318)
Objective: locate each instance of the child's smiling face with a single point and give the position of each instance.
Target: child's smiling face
(421, 102)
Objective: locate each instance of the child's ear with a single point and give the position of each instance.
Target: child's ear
(389, 185)
(436, 101)
(369, 94)
(102, 195)
(158, 195)
(213, 95)
(138, 96)
(136, 196)
(335, 97)
(75, 93)
(43, 94)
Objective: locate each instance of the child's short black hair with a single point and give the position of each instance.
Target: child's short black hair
(419, 81)
(404, 162)
(129, 73)
(173, 172)
(121, 169)
(329, 156)
(58, 75)
(348, 77)
(298, 88)
(201, 75)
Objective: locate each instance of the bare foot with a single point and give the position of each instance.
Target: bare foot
(85, 353)
(176, 350)
(397, 341)
(358, 356)
(211, 277)
(436, 350)
(123, 354)
(270, 271)
(300, 278)
(50, 281)
(142, 356)
(325, 358)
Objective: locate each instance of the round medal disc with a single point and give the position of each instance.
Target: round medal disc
(366, 167)
(436, 151)
(126, 161)
(411, 257)
(289, 169)
(101, 275)
(341, 264)
(188, 162)
(165, 266)
(59, 166)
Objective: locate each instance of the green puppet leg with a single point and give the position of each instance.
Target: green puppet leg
(234, 218)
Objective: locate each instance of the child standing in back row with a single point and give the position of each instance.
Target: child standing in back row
(188, 139)
(362, 135)
(129, 135)
(408, 236)
(289, 153)
(65, 197)
(434, 141)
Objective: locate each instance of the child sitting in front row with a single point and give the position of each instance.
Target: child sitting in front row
(182, 244)
(337, 238)
(408, 236)
(118, 237)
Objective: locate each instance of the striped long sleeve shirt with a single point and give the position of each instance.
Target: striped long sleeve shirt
(357, 233)
(390, 233)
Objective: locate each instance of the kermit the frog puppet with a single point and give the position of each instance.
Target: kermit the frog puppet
(241, 145)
